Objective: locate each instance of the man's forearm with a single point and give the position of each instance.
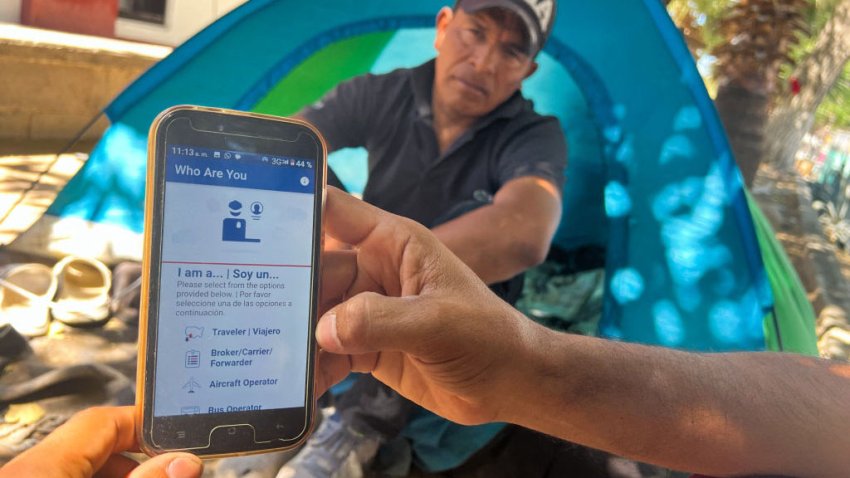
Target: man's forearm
(716, 414)
(503, 239)
(484, 241)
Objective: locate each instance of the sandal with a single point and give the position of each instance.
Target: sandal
(83, 291)
(25, 294)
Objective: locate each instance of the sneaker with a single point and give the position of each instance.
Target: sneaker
(334, 451)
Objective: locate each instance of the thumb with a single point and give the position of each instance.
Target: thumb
(370, 322)
(170, 465)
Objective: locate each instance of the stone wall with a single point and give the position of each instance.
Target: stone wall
(52, 85)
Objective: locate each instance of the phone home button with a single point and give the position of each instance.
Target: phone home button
(243, 433)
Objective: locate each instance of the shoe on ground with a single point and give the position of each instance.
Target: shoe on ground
(25, 294)
(83, 291)
(334, 451)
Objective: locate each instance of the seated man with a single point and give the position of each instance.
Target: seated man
(454, 146)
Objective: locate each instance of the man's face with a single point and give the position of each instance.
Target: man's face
(480, 62)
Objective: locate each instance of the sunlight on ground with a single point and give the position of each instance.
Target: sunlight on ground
(28, 186)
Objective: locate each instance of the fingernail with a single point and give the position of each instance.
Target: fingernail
(326, 333)
(185, 467)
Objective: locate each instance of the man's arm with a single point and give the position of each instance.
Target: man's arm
(419, 321)
(502, 239)
(718, 414)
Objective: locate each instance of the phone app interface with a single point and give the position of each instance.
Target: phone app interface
(234, 296)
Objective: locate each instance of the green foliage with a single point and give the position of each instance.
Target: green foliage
(818, 13)
(835, 109)
(701, 20)
(711, 13)
(705, 17)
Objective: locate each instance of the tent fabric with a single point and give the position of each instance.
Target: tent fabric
(791, 325)
(651, 178)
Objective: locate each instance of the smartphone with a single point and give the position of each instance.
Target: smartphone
(233, 220)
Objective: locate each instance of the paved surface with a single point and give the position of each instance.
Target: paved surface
(28, 186)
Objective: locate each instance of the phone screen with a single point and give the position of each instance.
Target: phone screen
(232, 294)
(235, 281)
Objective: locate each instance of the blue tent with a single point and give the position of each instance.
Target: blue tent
(651, 179)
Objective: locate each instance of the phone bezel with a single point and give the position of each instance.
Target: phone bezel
(234, 427)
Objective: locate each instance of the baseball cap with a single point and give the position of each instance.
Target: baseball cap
(537, 16)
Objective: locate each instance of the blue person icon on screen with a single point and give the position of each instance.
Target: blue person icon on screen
(233, 228)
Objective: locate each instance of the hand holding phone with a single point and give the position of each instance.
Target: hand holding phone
(230, 282)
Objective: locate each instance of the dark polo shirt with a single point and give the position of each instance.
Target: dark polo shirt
(390, 115)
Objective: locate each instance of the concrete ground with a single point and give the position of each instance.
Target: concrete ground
(28, 186)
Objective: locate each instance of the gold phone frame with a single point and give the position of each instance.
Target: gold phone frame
(151, 189)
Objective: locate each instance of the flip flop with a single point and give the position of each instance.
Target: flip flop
(25, 294)
(83, 291)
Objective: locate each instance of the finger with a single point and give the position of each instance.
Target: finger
(330, 370)
(339, 269)
(391, 248)
(96, 434)
(349, 219)
(117, 465)
(170, 465)
(331, 244)
(370, 322)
